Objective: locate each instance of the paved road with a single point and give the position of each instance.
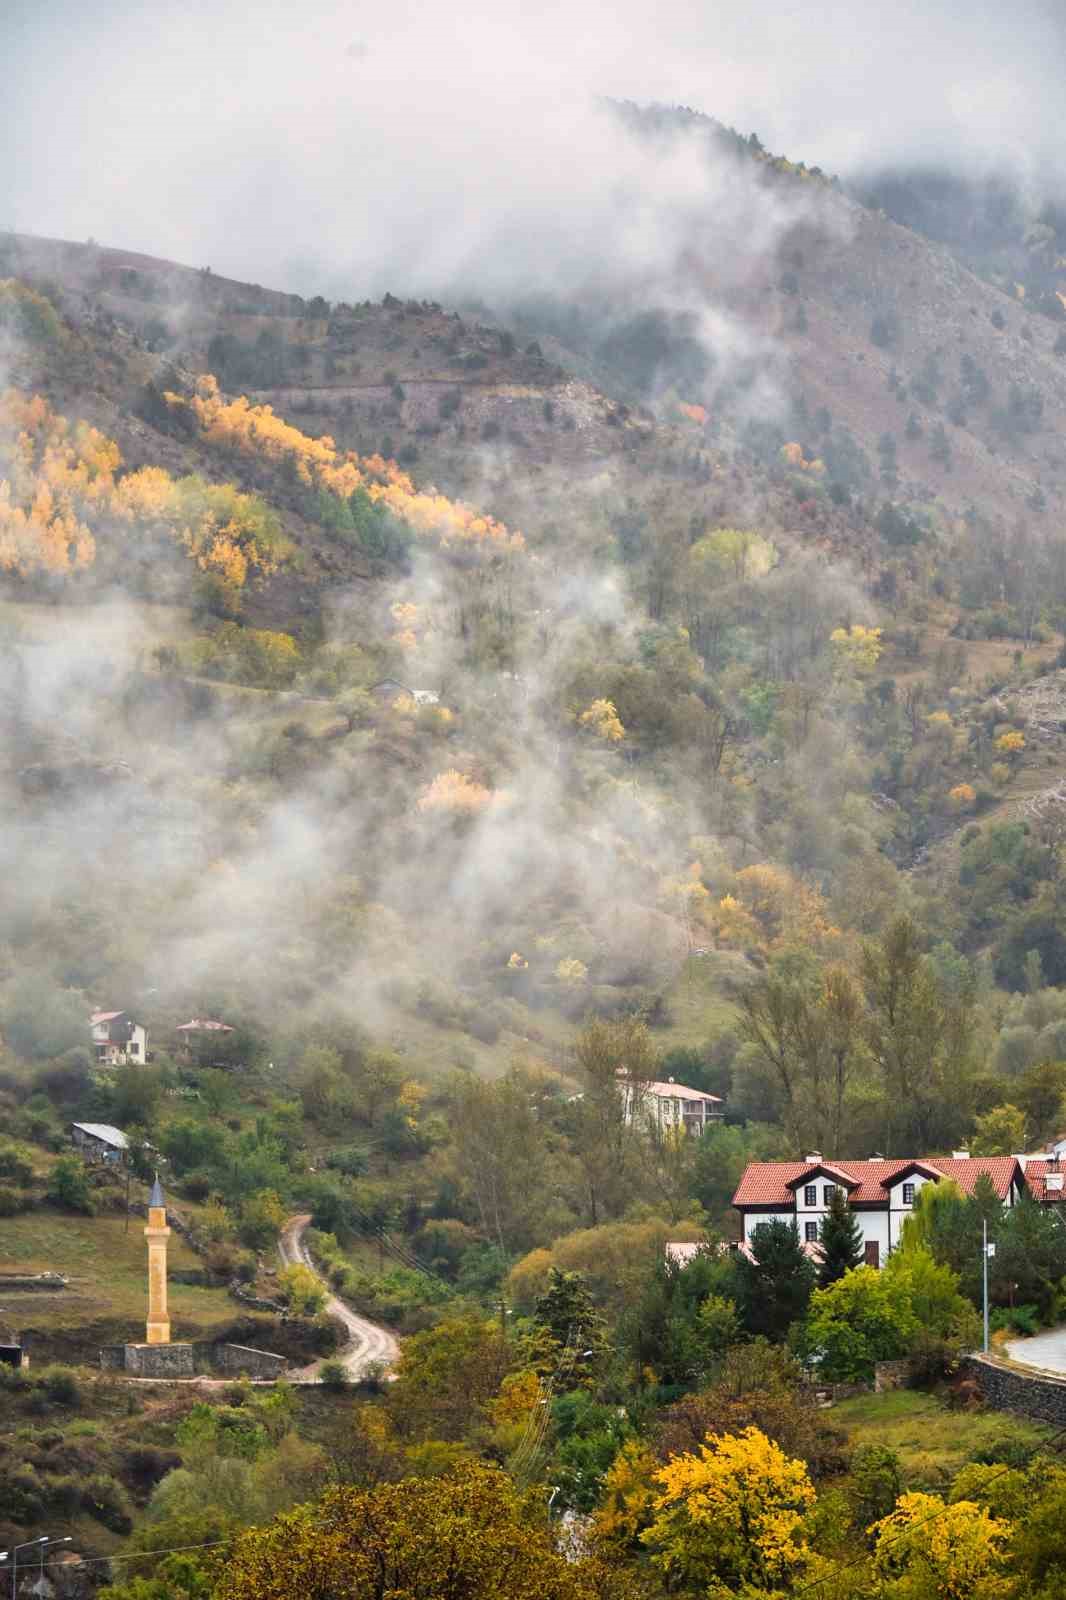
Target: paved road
(368, 1344)
(1046, 1350)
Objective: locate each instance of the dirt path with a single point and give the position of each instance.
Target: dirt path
(368, 1344)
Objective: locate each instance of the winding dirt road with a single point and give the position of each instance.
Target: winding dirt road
(368, 1344)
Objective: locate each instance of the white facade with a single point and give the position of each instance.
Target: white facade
(117, 1038)
(670, 1105)
(880, 1219)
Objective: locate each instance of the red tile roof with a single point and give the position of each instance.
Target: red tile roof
(772, 1183)
(681, 1092)
(1035, 1173)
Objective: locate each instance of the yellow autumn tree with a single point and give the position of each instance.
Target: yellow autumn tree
(731, 1515)
(238, 425)
(628, 1496)
(855, 649)
(602, 719)
(951, 1552)
(454, 792)
(772, 909)
(1011, 743)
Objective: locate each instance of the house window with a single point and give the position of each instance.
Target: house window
(908, 1194)
(810, 1232)
(810, 1195)
(829, 1191)
(134, 1048)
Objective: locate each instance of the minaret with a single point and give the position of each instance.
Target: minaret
(157, 1233)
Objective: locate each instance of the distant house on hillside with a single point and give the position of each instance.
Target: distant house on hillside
(202, 1037)
(670, 1105)
(117, 1038)
(99, 1141)
(390, 690)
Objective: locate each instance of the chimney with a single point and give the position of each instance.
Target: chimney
(815, 1155)
(960, 1155)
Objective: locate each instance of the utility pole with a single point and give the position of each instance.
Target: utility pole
(987, 1252)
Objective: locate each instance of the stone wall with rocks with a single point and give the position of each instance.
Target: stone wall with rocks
(1007, 1389)
(238, 1358)
(158, 1360)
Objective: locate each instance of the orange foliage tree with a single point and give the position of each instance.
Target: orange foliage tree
(256, 430)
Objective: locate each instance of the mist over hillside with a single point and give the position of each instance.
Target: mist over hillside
(532, 685)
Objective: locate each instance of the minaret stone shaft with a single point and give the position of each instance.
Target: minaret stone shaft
(157, 1233)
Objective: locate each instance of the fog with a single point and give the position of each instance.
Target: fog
(349, 148)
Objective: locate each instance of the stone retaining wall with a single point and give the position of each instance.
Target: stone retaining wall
(239, 1358)
(1007, 1389)
(159, 1360)
(190, 1360)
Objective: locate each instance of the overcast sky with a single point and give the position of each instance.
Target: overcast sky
(330, 142)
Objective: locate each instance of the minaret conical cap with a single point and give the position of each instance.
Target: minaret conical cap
(157, 1198)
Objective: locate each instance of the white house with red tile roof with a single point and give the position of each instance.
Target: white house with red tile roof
(117, 1038)
(880, 1193)
(671, 1105)
(1045, 1177)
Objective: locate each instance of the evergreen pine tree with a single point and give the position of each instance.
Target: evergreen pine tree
(774, 1284)
(841, 1240)
(566, 1317)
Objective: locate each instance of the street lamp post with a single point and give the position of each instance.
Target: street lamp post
(46, 1538)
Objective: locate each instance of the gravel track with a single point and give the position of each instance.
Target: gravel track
(368, 1344)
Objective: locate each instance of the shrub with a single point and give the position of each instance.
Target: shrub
(68, 1186)
(301, 1290)
(15, 1163)
(333, 1375)
(104, 1498)
(61, 1386)
(26, 313)
(12, 1201)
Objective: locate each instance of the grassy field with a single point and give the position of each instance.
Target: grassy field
(931, 1440)
(107, 1268)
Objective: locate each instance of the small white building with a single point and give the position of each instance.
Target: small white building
(670, 1105)
(880, 1193)
(118, 1038)
(99, 1141)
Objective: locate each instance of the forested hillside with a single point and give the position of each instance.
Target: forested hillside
(463, 703)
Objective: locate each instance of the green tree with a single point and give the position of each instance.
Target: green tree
(862, 1318)
(841, 1239)
(68, 1186)
(1000, 1132)
(301, 1290)
(447, 1377)
(920, 1039)
(465, 1534)
(567, 1315)
(615, 1063)
(262, 1219)
(41, 1020)
(774, 1284)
